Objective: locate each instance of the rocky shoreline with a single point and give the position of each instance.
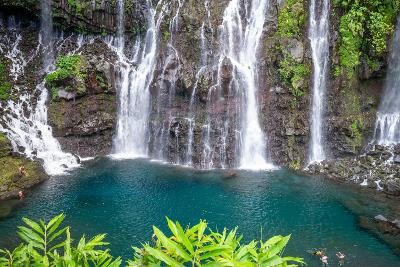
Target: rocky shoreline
(378, 168)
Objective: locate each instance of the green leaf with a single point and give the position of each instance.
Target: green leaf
(171, 245)
(163, 257)
(35, 226)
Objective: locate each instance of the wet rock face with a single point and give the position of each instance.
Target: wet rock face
(84, 126)
(84, 122)
(181, 89)
(89, 16)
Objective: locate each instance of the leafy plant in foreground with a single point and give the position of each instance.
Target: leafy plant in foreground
(46, 244)
(49, 244)
(200, 246)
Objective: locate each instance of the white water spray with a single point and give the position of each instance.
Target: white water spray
(319, 39)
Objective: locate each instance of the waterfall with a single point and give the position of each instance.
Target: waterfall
(46, 32)
(26, 124)
(131, 138)
(319, 39)
(203, 68)
(387, 128)
(240, 39)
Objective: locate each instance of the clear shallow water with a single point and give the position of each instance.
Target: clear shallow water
(124, 198)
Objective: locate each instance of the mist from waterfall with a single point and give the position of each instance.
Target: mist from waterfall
(25, 120)
(319, 39)
(131, 138)
(240, 40)
(387, 128)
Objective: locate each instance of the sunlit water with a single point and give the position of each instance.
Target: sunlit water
(125, 198)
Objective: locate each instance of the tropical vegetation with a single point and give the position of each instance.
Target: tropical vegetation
(51, 244)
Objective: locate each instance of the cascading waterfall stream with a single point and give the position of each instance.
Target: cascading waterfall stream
(25, 125)
(240, 42)
(134, 96)
(387, 128)
(319, 39)
(203, 66)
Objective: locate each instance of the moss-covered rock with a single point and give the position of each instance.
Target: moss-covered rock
(11, 179)
(5, 146)
(5, 83)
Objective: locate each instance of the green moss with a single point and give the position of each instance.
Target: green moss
(5, 84)
(292, 19)
(295, 165)
(357, 128)
(78, 6)
(100, 80)
(10, 170)
(166, 36)
(5, 145)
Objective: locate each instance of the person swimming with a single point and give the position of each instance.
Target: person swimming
(21, 195)
(324, 259)
(341, 257)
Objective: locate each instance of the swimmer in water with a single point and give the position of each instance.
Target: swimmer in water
(21, 195)
(324, 260)
(341, 257)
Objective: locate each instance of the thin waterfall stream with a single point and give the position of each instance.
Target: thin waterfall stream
(319, 39)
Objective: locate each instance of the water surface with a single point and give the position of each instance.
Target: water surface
(125, 198)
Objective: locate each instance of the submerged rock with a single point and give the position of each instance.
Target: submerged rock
(380, 218)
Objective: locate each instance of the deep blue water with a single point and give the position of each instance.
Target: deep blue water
(125, 198)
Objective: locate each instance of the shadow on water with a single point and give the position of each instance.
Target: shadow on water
(125, 198)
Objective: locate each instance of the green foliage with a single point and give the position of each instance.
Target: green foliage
(291, 19)
(293, 74)
(291, 22)
(100, 81)
(50, 244)
(295, 165)
(365, 24)
(78, 5)
(200, 246)
(68, 67)
(356, 128)
(166, 35)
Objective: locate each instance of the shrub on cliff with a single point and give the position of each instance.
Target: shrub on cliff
(68, 74)
(49, 244)
(364, 30)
